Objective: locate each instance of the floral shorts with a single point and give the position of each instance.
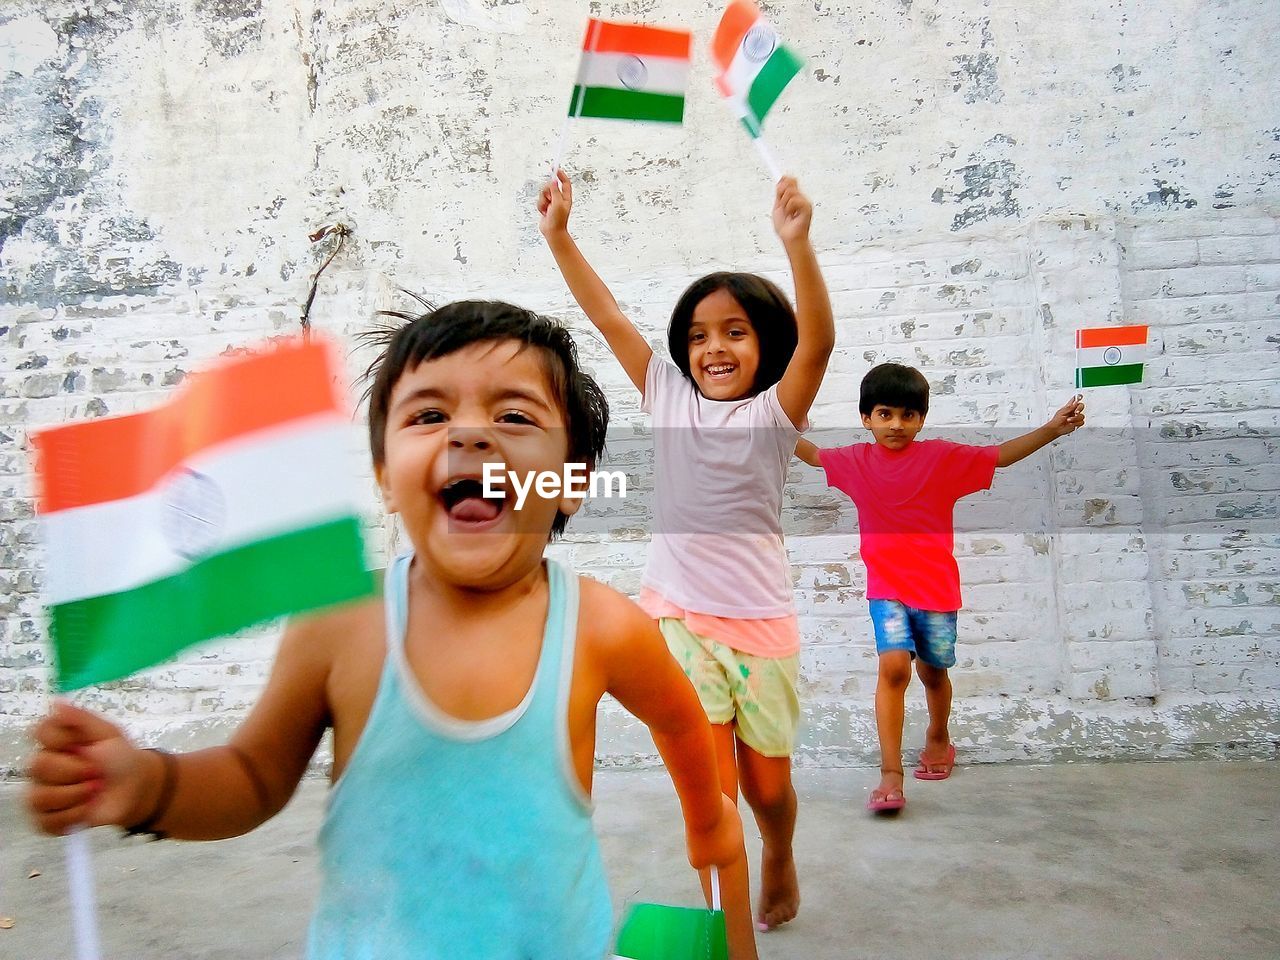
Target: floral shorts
(756, 694)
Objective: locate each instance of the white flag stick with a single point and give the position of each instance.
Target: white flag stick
(84, 911)
(766, 155)
(1079, 374)
(575, 108)
(564, 136)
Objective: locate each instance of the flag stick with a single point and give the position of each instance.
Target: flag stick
(575, 108)
(84, 913)
(564, 136)
(1079, 375)
(766, 155)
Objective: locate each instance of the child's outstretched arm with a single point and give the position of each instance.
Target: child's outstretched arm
(792, 214)
(643, 676)
(1063, 422)
(86, 770)
(631, 349)
(807, 451)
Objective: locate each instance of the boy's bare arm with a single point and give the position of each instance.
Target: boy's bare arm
(1066, 420)
(807, 451)
(644, 677)
(792, 215)
(631, 349)
(87, 771)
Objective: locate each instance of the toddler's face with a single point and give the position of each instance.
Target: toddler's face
(490, 402)
(724, 351)
(893, 427)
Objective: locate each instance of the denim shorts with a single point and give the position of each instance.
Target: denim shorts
(927, 634)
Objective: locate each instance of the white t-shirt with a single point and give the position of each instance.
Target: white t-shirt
(720, 466)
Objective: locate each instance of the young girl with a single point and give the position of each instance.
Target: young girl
(726, 413)
(463, 709)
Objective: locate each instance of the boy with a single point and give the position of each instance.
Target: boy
(905, 492)
(463, 711)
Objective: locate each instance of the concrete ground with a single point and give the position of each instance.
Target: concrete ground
(1132, 860)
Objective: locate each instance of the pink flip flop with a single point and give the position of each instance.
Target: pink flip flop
(887, 803)
(923, 772)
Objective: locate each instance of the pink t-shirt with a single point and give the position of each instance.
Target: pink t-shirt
(906, 500)
(720, 466)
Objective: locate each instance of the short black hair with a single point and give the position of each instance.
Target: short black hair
(768, 309)
(441, 331)
(894, 385)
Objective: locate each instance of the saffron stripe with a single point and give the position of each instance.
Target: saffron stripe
(626, 104)
(1109, 376)
(637, 39)
(739, 17)
(1111, 336)
(108, 637)
(116, 457)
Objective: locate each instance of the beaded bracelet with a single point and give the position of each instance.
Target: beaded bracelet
(167, 787)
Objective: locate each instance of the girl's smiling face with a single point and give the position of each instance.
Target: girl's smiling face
(724, 350)
(489, 402)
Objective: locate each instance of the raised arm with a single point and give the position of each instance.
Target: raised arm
(1063, 422)
(792, 214)
(87, 771)
(631, 349)
(808, 452)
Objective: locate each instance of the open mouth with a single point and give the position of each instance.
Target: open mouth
(464, 501)
(719, 370)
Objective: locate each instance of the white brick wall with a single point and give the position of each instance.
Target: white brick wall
(979, 198)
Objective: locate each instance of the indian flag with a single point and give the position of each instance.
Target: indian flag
(632, 72)
(235, 502)
(1106, 356)
(754, 67)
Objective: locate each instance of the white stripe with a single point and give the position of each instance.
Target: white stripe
(1097, 356)
(294, 476)
(660, 74)
(743, 70)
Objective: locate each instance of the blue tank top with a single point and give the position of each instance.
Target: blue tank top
(447, 839)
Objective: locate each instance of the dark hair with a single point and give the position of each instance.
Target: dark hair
(894, 385)
(766, 307)
(441, 331)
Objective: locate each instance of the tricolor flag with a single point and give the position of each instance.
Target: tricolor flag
(1106, 356)
(754, 67)
(632, 72)
(235, 502)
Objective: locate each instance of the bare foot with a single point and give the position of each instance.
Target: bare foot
(779, 890)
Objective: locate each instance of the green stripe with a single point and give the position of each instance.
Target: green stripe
(777, 72)
(109, 637)
(617, 104)
(1108, 376)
